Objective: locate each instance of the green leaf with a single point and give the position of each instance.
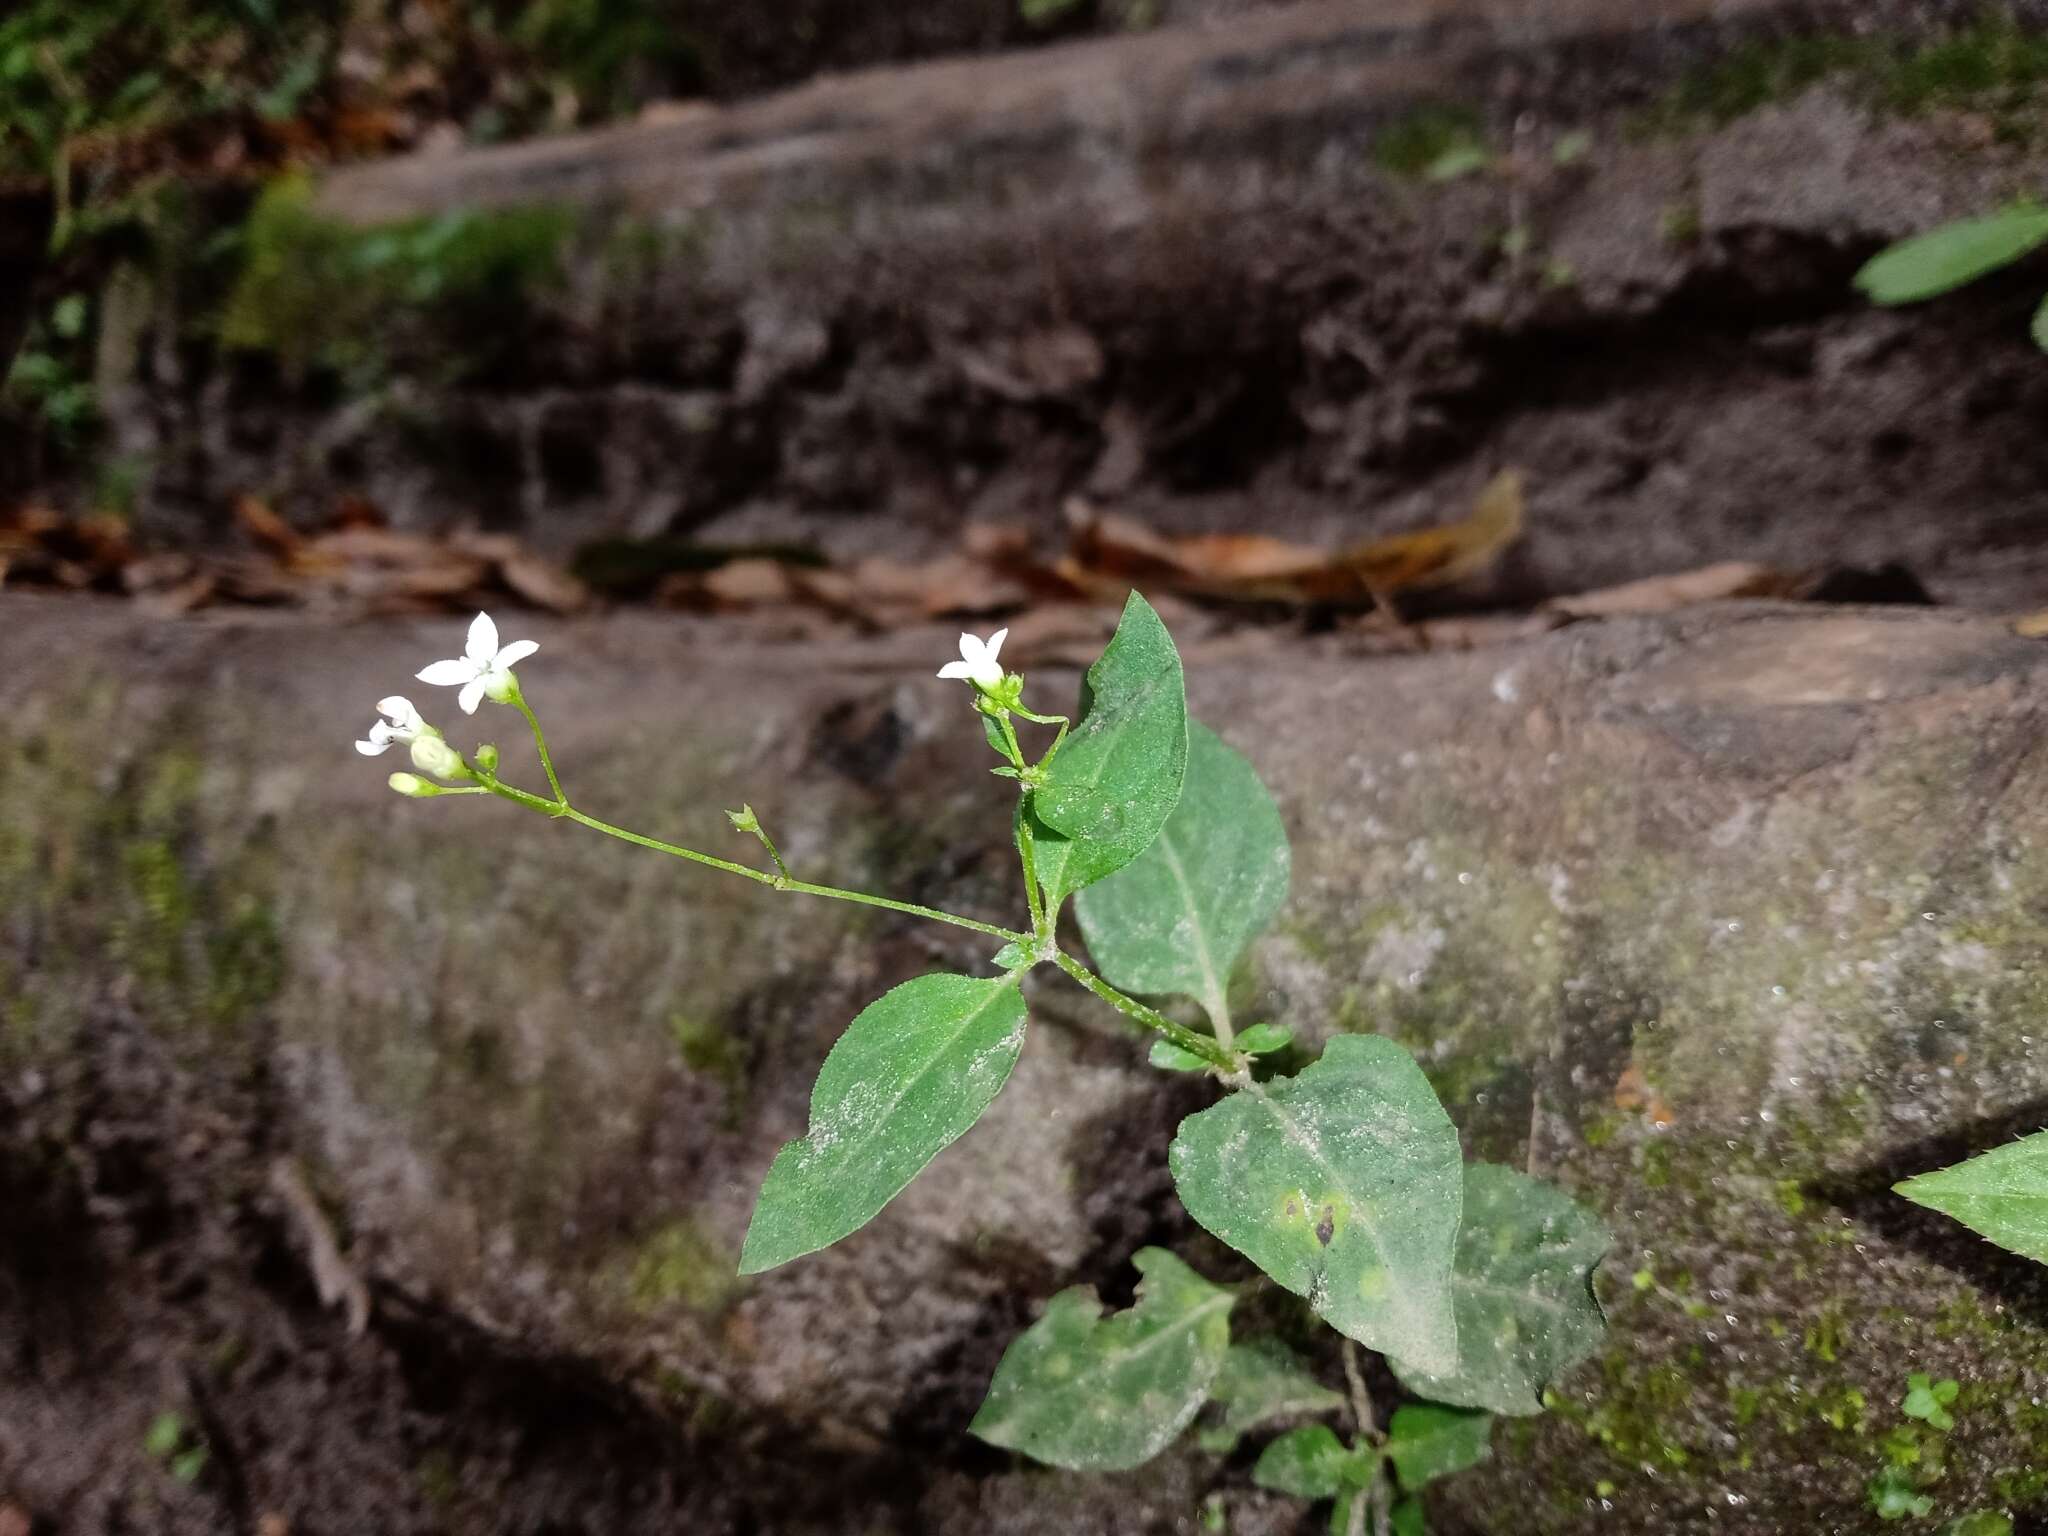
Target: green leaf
(1118, 776)
(1179, 918)
(2001, 1194)
(1078, 1391)
(1171, 1058)
(1264, 1039)
(1894, 1497)
(1979, 1522)
(1309, 1462)
(187, 1465)
(1928, 1401)
(912, 1072)
(1524, 1289)
(2040, 326)
(1955, 254)
(165, 1433)
(1343, 1184)
(1408, 1520)
(1263, 1381)
(1426, 1441)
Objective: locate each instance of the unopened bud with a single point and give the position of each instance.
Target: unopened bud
(487, 759)
(744, 819)
(412, 784)
(430, 754)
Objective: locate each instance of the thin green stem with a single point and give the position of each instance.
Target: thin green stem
(1374, 1501)
(1027, 854)
(1151, 1018)
(1061, 721)
(568, 812)
(1010, 740)
(541, 742)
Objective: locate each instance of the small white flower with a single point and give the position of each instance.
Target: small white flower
(402, 727)
(977, 663)
(483, 670)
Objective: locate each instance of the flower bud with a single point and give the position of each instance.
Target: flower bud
(431, 754)
(411, 784)
(744, 819)
(487, 759)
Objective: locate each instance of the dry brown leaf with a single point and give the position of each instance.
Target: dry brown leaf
(1632, 1091)
(2033, 626)
(749, 583)
(543, 583)
(1437, 557)
(1050, 364)
(1255, 567)
(1681, 589)
(260, 521)
(338, 1284)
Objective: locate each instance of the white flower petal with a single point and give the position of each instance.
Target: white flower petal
(959, 669)
(995, 643)
(472, 695)
(400, 711)
(373, 748)
(516, 652)
(447, 674)
(483, 640)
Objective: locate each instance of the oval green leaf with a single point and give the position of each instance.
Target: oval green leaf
(1263, 1381)
(1091, 1394)
(1118, 776)
(1955, 254)
(912, 1072)
(2001, 1194)
(1343, 1184)
(1426, 1441)
(2040, 326)
(1179, 917)
(1309, 1462)
(1523, 1283)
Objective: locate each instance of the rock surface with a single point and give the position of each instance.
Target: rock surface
(1723, 921)
(1204, 273)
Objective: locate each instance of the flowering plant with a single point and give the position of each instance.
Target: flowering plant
(1338, 1176)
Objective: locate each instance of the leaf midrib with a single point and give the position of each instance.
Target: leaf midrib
(906, 1085)
(1212, 999)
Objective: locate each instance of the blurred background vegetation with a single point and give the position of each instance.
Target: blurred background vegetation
(152, 126)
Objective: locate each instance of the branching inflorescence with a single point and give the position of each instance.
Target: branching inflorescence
(1340, 1176)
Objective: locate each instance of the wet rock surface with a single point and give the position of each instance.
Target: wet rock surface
(1723, 921)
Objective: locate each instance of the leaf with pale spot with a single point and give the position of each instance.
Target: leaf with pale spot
(1523, 1282)
(2001, 1194)
(1342, 1183)
(912, 1072)
(1093, 1394)
(1117, 777)
(1179, 917)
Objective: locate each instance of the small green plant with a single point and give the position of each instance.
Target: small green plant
(1343, 1181)
(171, 1441)
(1945, 259)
